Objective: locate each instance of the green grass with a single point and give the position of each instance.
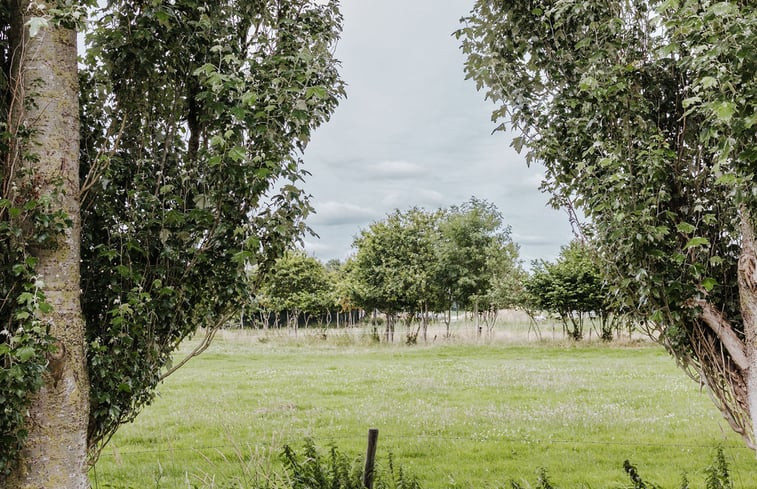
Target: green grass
(464, 415)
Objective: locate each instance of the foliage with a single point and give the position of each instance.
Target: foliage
(310, 471)
(718, 473)
(25, 221)
(418, 261)
(477, 262)
(572, 288)
(203, 108)
(297, 283)
(347, 290)
(642, 114)
(394, 262)
(194, 115)
(338, 471)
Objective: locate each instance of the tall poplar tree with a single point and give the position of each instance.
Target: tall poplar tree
(643, 114)
(41, 165)
(139, 189)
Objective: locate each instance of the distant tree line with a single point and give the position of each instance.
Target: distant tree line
(418, 266)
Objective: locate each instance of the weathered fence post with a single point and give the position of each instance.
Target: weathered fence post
(370, 458)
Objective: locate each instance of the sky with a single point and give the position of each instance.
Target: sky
(413, 132)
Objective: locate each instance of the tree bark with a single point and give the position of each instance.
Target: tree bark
(748, 298)
(55, 452)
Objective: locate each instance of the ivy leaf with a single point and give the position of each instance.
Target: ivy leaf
(697, 242)
(25, 353)
(709, 283)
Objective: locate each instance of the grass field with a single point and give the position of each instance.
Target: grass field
(463, 414)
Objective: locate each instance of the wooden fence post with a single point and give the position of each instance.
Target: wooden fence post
(370, 458)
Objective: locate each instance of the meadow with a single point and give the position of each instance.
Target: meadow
(465, 413)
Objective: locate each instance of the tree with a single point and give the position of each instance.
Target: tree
(193, 116)
(298, 284)
(642, 114)
(41, 313)
(572, 288)
(474, 250)
(394, 266)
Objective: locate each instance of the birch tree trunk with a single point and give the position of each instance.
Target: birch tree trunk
(45, 74)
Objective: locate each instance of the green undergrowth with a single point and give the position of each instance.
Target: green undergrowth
(312, 468)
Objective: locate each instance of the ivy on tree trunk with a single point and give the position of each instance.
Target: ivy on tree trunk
(183, 181)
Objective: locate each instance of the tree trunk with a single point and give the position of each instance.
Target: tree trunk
(55, 453)
(475, 312)
(748, 298)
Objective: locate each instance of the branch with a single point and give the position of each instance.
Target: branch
(722, 329)
(210, 333)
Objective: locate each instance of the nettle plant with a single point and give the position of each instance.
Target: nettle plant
(194, 116)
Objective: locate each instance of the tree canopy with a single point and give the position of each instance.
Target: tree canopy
(642, 114)
(572, 288)
(194, 116)
(394, 262)
(298, 284)
(420, 261)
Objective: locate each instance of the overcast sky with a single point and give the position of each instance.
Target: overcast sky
(414, 132)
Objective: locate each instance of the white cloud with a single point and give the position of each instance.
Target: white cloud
(398, 169)
(420, 197)
(535, 240)
(317, 248)
(338, 213)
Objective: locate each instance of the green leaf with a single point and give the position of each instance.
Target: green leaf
(217, 140)
(249, 98)
(237, 153)
(688, 102)
(697, 242)
(685, 227)
(708, 82)
(517, 143)
(25, 353)
(724, 110)
(318, 92)
(163, 18)
(588, 83)
(709, 283)
(22, 315)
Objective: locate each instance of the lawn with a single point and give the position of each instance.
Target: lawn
(465, 414)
